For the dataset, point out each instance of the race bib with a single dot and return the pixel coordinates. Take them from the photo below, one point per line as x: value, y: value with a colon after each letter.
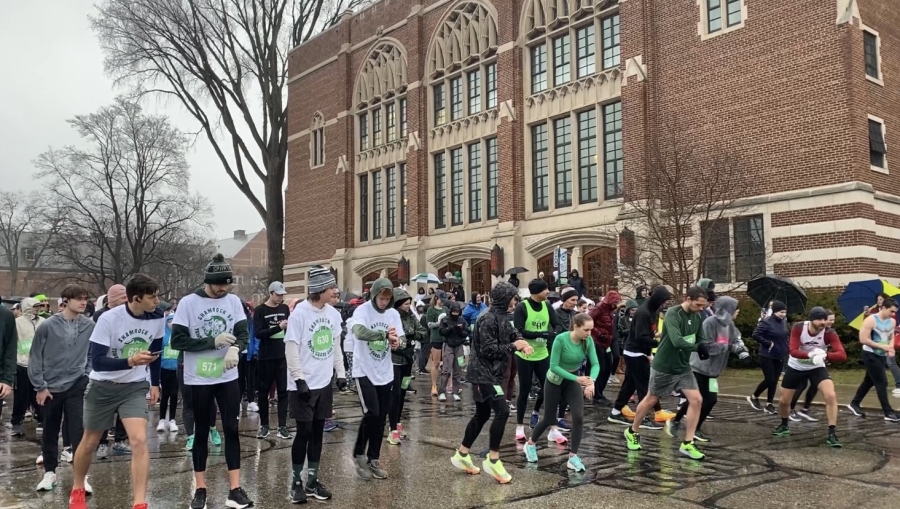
x: 210, y: 367
x: 713, y: 385
x: 404, y: 384
x: 691, y: 338
x: 133, y: 348
x: 168, y: 353
x: 553, y: 377
x: 24, y: 347
x: 460, y: 360
x: 498, y: 390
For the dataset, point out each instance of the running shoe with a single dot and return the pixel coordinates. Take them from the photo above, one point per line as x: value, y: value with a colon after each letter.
x: 531, y: 453
x: 782, y: 431
x: 39, y: 460
x: 496, y: 470
x: 895, y: 392
x: 650, y: 424
x: 512, y: 406
x: 77, y: 499
x: 263, y: 432
x: 284, y: 433
x: 377, y: 473
x: 318, y: 491
x: 556, y: 436
x: 400, y: 430
x: 215, y: 437
x: 628, y: 412
x: 754, y: 402
x: 17, y: 430
x: 456, y: 397
x: 140, y: 506
x: 856, y: 410
x: 238, y: 499
x: 833, y: 441
x: 618, y: 419
x: 804, y: 412
x: 87, y: 486
x: 464, y: 463
x: 102, y: 452
x: 252, y: 407
x: 663, y: 416
x: 892, y: 417
x: 121, y: 448
x: 362, y: 467
x: 632, y: 440
x: 298, y: 495
x: 673, y: 428
x: 613, y: 381
x: 602, y: 401
x: 66, y: 455
x: 434, y: 391
x: 691, y: 451
x: 770, y: 409
x: 48, y: 482
x: 563, y: 425
x: 575, y: 464
x: 199, y: 501
x: 161, y: 427
x: 173, y: 426
x: 520, y: 434
x: 793, y: 416
x: 394, y: 438
x: 330, y: 425
x: 442, y: 397
x: 701, y: 436
x: 189, y: 444
x: 535, y: 417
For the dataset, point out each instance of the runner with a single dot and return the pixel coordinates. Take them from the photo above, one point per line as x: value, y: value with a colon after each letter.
x: 539, y: 325
x: 58, y: 367
x: 374, y: 327
x: 433, y: 322
x: 808, y: 354
x: 312, y: 359
x: 168, y: 379
x: 454, y: 331
x: 493, y: 340
x: 125, y: 351
x: 877, y: 338
x: 727, y: 340
x: 671, y: 369
x: 210, y: 328
x: 805, y: 412
x: 270, y: 319
x: 26, y: 325
x: 570, y: 349
x: 772, y: 335
x: 402, y: 359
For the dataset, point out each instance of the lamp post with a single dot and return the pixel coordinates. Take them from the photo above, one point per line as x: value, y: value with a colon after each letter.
x: 497, y: 261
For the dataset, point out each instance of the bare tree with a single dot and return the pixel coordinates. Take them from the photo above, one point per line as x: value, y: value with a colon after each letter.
x: 676, y: 218
x: 125, y: 200
x: 27, y: 227
x: 179, y: 270
x: 225, y: 61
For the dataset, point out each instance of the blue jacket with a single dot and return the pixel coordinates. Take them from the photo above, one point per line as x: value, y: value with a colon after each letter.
x: 253, y: 346
x: 470, y: 314
x: 772, y: 336
x: 170, y: 363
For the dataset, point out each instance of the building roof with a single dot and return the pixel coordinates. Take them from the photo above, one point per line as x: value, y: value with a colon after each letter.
x: 231, y: 246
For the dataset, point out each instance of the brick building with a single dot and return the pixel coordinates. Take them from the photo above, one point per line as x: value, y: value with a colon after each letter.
x: 437, y: 129
x: 248, y: 255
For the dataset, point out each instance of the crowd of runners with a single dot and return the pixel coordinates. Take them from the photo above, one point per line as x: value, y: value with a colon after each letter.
x: 84, y: 376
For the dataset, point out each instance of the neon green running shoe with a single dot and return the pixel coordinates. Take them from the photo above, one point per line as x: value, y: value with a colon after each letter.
x: 833, y: 441
x: 633, y: 440
x: 781, y: 431
x: 464, y: 463
x: 496, y: 470
x: 190, y: 443
x: 215, y: 437
x: 691, y: 451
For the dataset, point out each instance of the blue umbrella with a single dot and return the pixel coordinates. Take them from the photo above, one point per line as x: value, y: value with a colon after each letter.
x: 859, y: 295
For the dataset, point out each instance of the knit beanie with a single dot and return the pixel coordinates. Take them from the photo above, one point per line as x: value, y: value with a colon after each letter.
x: 568, y: 294
x: 218, y: 272
x: 816, y: 313
x: 779, y: 306
x: 537, y: 286
x: 320, y: 279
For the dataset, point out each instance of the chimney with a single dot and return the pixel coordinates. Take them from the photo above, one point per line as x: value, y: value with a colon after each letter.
x: 240, y: 234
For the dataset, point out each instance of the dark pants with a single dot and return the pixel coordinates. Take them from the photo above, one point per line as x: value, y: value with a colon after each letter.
x: 68, y: 403
x: 637, y: 379
x: 607, y: 369
x: 556, y: 396
x: 616, y: 355
x: 810, y: 396
x: 228, y: 396
x: 168, y: 400
x: 484, y: 405
x: 307, y: 444
x: 528, y: 369
x: 875, y: 377
x: 247, y: 377
x: 23, y: 397
x: 424, y: 356
x: 375, y: 401
x: 709, y: 400
x: 509, y: 378
x: 187, y: 415
x: 120, y: 434
x: 398, y: 393
x: 272, y: 370
x: 771, y: 369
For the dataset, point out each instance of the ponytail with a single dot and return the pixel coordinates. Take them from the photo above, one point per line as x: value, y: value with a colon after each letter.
x: 580, y: 319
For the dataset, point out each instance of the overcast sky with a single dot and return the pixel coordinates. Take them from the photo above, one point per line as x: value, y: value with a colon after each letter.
x: 53, y: 70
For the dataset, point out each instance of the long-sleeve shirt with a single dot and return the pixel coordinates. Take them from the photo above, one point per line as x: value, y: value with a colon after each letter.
x: 9, y: 339
x: 59, y: 353
x: 432, y: 322
x: 270, y: 334
x: 802, y: 343
x: 566, y: 357
x: 682, y: 332
x: 311, y: 349
x: 118, y: 335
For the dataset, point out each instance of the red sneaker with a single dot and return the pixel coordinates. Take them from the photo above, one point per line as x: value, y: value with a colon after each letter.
x: 140, y: 506
x: 76, y: 500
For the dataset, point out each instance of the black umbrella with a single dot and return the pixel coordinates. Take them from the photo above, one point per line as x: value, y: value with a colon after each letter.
x: 516, y: 270
x: 765, y: 289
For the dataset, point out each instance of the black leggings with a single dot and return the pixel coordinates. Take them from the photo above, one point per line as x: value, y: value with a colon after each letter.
x: 810, y: 395
x: 228, y: 396
x: 771, y: 369
x: 709, y: 399
x: 554, y: 395
x: 308, y: 442
x: 168, y: 400
x: 272, y: 370
x: 637, y: 379
x: 876, y: 377
x: 187, y: 415
x: 483, y: 409
x: 607, y: 369
x: 375, y: 401
x: 527, y: 369
x: 398, y: 394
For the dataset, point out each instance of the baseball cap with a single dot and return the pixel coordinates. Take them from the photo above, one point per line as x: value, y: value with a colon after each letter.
x: 277, y: 287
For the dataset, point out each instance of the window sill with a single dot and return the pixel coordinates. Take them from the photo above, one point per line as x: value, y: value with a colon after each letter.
x: 581, y: 207
x: 877, y: 81
x: 704, y: 35
x: 377, y: 242
x: 879, y: 170
x: 315, y: 166
x: 463, y: 227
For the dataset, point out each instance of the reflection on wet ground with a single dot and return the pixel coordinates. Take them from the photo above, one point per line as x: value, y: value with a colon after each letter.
x: 745, y: 466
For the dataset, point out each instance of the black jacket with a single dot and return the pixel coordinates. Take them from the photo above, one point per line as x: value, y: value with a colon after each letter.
x: 578, y: 284
x: 453, y: 327
x: 492, y: 339
x: 565, y: 317
x: 641, y: 336
x: 772, y: 335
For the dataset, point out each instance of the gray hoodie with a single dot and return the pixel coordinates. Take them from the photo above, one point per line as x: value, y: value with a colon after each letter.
x: 59, y: 353
x: 723, y: 337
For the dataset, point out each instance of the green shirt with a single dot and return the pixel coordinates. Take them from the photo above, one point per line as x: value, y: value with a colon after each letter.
x: 431, y: 316
x: 681, y: 333
x: 536, y: 321
x: 566, y: 358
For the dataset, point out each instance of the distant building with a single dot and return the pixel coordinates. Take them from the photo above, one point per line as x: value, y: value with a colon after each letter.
x: 33, y: 271
x: 248, y: 255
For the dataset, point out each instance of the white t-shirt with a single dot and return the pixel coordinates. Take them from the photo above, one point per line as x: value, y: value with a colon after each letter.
x: 372, y: 359
x: 125, y: 335
x: 207, y: 318
x: 312, y: 332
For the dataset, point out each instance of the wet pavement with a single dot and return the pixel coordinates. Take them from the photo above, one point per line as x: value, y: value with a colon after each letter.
x: 746, y: 467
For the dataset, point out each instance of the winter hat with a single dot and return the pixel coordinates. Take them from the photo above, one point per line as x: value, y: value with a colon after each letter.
x: 568, y: 294
x: 218, y: 272
x: 537, y: 286
x: 320, y: 279
x: 816, y: 313
x: 116, y: 294
x: 779, y: 306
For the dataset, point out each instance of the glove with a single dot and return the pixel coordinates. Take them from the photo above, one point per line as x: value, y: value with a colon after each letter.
x: 232, y: 357
x: 744, y: 356
x: 302, y: 390
x: 342, y: 383
x: 816, y: 351
x: 819, y: 359
x: 703, y: 351
x: 225, y: 339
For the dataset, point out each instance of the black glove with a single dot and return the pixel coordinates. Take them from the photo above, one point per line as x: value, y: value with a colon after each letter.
x: 342, y: 383
x: 302, y: 390
x: 703, y: 351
